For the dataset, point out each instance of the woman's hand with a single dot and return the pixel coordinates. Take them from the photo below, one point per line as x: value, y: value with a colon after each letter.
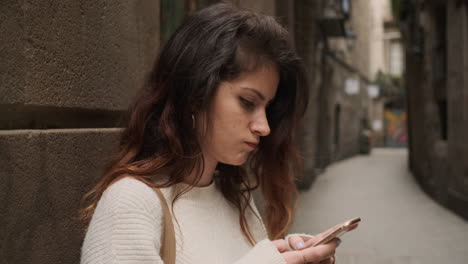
x: 323, y: 254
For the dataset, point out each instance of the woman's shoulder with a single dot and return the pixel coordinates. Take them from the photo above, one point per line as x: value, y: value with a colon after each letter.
x: 128, y: 184
x: 126, y: 224
x: 130, y: 193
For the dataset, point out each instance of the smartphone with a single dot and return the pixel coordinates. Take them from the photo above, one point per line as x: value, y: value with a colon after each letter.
x: 336, y: 232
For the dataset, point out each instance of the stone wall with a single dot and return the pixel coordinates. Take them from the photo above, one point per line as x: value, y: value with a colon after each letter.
x: 457, y: 97
x: 436, y: 39
x: 68, y: 70
x: 307, y: 39
x: 44, y: 175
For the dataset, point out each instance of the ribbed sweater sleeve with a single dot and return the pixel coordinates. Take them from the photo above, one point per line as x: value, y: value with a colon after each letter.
x: 126, y: 226
x: 263, y: 252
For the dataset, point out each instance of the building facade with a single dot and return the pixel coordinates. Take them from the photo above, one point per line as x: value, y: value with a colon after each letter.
x: 436, y: 46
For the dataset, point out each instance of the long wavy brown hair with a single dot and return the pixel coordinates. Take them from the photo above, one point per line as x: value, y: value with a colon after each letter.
x: 215, y: 44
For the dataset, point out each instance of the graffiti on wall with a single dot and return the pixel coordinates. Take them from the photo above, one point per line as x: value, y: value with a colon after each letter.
x: 396, y: 134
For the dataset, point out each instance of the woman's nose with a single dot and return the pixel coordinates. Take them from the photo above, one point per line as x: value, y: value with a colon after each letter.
x: 260, y: 126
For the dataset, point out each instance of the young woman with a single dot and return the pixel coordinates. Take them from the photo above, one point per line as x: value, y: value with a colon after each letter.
x: 222, y: 102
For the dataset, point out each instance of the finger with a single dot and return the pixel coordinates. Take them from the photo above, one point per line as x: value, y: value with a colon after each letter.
x: 293, y: 257
x: 319, y: 253
x: 353, y: 226
x: 281, y: 245
x: 330, y: 260
x: 296, y: 242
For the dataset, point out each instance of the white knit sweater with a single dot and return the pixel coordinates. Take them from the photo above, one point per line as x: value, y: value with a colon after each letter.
x: 127, y: 224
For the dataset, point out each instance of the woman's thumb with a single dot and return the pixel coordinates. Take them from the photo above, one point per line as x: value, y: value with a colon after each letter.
x: 296, y: 242
x: 281, y: 245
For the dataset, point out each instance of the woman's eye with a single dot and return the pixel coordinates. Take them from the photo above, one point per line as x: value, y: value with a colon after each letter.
x: 247, y: 104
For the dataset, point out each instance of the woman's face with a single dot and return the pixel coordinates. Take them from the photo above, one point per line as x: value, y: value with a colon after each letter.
x: 237, y: 119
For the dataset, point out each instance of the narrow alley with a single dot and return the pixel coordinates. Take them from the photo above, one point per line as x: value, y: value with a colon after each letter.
x: 400, y: 223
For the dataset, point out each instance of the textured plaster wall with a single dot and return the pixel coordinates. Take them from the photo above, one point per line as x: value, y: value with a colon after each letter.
x: 63, y: 64
x: 367, y: 20
x: 376, y: 54
x: 362, y: 25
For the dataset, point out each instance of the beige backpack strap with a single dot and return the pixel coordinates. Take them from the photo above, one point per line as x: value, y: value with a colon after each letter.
x: 168, y: 245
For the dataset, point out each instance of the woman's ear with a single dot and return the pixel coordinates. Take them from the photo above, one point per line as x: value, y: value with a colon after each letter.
x: 201, y: 123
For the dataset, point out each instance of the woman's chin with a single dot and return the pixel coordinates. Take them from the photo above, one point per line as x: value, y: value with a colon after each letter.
x: 236, y: 161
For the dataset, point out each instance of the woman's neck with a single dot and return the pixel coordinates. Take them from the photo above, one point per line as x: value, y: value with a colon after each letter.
x: 208, y: 173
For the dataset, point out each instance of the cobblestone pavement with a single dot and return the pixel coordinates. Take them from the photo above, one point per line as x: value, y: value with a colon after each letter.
x: 400, y: 223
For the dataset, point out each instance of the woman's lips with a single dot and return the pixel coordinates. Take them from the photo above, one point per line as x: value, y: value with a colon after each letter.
x: 252, y: 145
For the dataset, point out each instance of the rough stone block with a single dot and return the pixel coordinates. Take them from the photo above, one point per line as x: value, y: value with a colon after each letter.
x: 12, y: 62
x: 82, y: 54
x: 43, y: 176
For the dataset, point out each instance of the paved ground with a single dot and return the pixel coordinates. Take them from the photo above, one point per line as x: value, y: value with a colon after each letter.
x: 400, y: 224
